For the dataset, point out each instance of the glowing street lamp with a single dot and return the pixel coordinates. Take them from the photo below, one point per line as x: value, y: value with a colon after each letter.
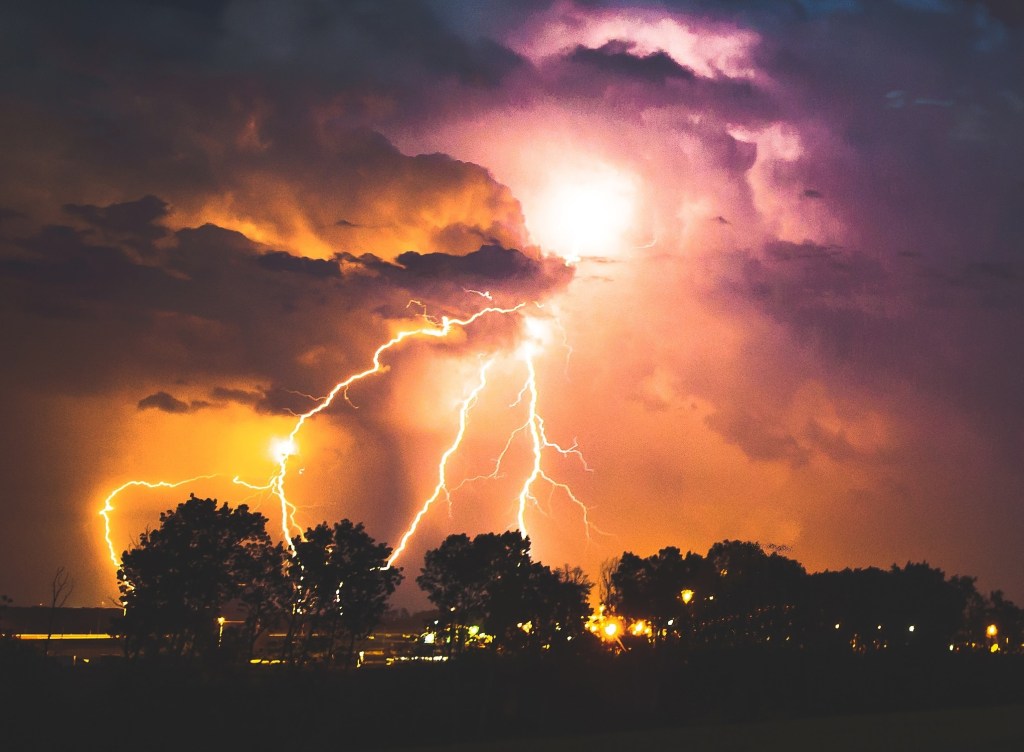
x: 686, y: 595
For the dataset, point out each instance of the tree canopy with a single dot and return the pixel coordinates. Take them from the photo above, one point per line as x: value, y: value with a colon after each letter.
x: 489, y: 586
x: 343, y: 583
x: 180, y: 578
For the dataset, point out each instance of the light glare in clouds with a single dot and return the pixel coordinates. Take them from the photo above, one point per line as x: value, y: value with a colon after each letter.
x: 585, y: 211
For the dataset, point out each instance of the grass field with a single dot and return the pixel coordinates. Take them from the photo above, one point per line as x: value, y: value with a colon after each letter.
x: 987, y: 729
x: 768, y: 701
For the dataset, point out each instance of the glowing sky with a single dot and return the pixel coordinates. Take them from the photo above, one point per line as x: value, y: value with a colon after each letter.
x: 776, y: 247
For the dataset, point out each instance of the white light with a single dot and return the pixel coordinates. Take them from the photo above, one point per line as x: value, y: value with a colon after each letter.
x: 583, y: 211
x: 282, y: 449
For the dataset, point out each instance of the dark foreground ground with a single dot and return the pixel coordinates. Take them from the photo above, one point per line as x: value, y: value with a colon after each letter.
x: 988, y: 729
x: 732, y: 701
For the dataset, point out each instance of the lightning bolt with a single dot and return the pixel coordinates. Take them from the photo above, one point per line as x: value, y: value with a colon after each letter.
x: 289, y: 446
x: 539, y: 442
x: 442, y: 468
x: 108, y: 505
x: 533, y: 427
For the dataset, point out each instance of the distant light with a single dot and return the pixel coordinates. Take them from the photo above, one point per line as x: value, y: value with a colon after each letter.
x: 992, y: 630
x: 837, y: 625
x: 640, y: 627
x: 951, y: 647
x: 879, y: 626
x: 686, y: 595
x: 994, y: 648
x: 611, y: 628
x: 910, y: 628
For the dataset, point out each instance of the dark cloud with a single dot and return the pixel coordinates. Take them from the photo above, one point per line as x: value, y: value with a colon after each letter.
x: 760, y: 437
x: 508, y: 274
x: 135, y: 218
x: 10, y: 214
x: 834, y: 444
x: 281, y: 261
x: 617, y: 58
x: 490, y: 263
x: 275, y: 400
x: 212, y: 301
x: 241, y: 396
x: 1009, y: 12
x: 946, y: 334
x: 164, y: 402
x: 990, y: 270
x: 281, y: 401
x: 905, y: 177
x: 274, y: 105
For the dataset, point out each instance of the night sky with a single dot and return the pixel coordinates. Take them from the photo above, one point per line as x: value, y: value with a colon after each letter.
x: 769, y: 257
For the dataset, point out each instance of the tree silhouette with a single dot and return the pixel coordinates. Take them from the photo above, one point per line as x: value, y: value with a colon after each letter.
x: 491, y: 584
x: 343, y: 584
x: 179, y: 578
x: 5, y: 601
x: 61, y: 588
x: 605, y: 587
x: 558, y: 606
x: 1007, y: 618
x: 757, y: 595
x: 651, y: 588
x: 451, y: 577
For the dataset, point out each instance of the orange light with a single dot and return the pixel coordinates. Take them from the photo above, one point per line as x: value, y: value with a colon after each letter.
x: 992, y: 630
x: 640, y: 628
x: 686, y: 595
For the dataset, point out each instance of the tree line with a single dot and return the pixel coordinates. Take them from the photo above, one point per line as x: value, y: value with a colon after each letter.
x: 330, y: 589
x: 740, y: 594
